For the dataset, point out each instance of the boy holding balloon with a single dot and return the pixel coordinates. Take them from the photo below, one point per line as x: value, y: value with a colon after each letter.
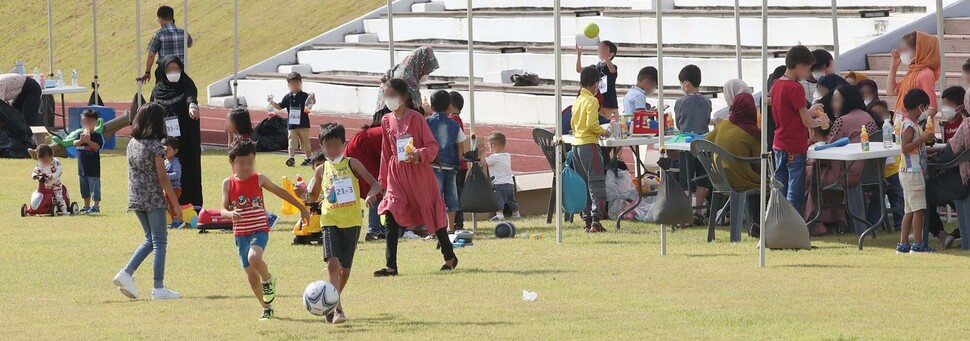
x: 606, y: 51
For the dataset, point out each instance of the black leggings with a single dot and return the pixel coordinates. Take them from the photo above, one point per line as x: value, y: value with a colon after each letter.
x: 28, y: 103
x: 394, y: 232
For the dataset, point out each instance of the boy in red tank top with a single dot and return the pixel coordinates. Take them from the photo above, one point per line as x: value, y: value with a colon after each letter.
x: 242, y: 202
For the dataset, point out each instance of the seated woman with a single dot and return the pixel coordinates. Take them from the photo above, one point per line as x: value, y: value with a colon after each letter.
x: 826, y: 89
x: 847, y: 103
x: 951, y: 184
x: 869, y: 90
x: 855, y: 77
x: 740, y: 135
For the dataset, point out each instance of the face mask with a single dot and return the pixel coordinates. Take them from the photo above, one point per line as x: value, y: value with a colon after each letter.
x: 173, y: 77
x: 905, y: 58
x: 393, y: 103
x: 867, y: 101
x: 817, y: 75
x: 336, y: 159
x: 923, y: 116
x: 948, y: 113
x: 816, y: 96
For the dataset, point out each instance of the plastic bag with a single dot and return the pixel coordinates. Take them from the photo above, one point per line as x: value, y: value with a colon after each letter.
x: 288, y: 208
x: 574, y: 191
x: 477, y: 195
x: 672, y: 204
x: 784, y: 226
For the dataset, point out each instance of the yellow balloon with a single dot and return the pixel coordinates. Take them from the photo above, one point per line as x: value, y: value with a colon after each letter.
x: 592, y: 30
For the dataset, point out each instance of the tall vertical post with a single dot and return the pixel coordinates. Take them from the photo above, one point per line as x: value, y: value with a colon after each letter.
x: 50, y: 42
x: 235, y: 55
x: 835, y: 36
x: 137, y: 53
x: 557, y: 31
x: 764, y: 137
x: 737, y: 35
x: 939, y: 36
x: 94, y: 17
x: 185, y: 34
x: 471, y: 90
x: 390, y: 32
x: 660, y: 106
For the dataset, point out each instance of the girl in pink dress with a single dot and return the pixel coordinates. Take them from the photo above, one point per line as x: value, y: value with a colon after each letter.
x: 412, y: 197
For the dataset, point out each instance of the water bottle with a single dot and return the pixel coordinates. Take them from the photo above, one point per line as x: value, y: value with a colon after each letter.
x: 60, y: 78
x: 270, y: 110
x: 308, y: 105
x: 37, y: 76
x: 614, y: 127
x: 865, y: 139
x: 300, y: 188
x: 74, y: 78
x: 19, y: 68
x: 887, y: 134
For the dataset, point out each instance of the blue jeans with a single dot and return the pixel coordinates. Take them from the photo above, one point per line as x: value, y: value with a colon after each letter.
x: 790, y: 172
x: 374, y: 220
x: 90, y: 187
x: 449, y: 190
x: 894, y: 190
x: 156, y: 240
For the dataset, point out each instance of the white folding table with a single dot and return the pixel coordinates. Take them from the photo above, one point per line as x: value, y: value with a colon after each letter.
x: 61, y: 90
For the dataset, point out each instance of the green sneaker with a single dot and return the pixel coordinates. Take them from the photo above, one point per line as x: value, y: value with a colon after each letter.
x: 269, y: 291
x: 267, y: 314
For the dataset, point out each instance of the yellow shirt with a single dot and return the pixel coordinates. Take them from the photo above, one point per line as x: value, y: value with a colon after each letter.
x: 342, y: 208
x: 585, y: 120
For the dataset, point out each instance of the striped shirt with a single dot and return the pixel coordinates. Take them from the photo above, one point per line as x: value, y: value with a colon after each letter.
x: 914, y: 162
x: 169, y: 40
x: 246, y: 197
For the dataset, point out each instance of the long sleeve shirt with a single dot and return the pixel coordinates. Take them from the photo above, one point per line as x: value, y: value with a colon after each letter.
x: 585, y: 120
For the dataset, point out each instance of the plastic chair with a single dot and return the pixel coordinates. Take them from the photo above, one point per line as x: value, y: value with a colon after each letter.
x: 546, y: 141
x: 962, y: 205
x: 712, y: 158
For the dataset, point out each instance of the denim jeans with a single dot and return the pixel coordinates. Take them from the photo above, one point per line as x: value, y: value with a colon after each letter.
x: 374, y: 220
x: 894, y: 190
x: 790, y: 172
x: 449, y: 190
x: 90, y: 187
x: 156, y: 240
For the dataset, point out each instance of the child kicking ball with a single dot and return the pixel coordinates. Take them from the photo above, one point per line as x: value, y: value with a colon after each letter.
x: 242, y: 202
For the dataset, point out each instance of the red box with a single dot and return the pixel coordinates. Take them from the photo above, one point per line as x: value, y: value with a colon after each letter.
x: 641, y: 122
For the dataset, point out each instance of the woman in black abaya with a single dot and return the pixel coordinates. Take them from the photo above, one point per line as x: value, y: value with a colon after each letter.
x: 177, y: 93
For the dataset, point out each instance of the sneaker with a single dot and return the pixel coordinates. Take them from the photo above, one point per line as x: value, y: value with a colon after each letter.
x: 373, y: 236
x: 269, y: 291
x: 267, y: 314
x: 126, y: 284
x: 94, y: 209
x: 272, y: 220
x: 329, y: 316
x: 915, y: 248
x: 339, y: 317
x: 164, y: 294
x: 290, y: 162
x: 410, y: 235
x: 306, y: 162
x: 84, y: 210
x: 902, y: 248
x: 177, y: 225
x: 497, y: 217
x: 516, y: 215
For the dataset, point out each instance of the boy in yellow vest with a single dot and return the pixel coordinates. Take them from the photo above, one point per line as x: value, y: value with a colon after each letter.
x: 340, y: 204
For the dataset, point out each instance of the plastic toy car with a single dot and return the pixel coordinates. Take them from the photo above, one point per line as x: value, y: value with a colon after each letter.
x: 44, y: 202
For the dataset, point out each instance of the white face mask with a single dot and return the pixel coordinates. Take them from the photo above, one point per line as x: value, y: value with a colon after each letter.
x: 906, y: 58
x: 336, y: 159
x: 393, y: 103
x: 817, y: 75
x: 867, y: 101
x: 173, y: 76
x: 816, y: 95
x: 948, y: 113
x: 923, y: 116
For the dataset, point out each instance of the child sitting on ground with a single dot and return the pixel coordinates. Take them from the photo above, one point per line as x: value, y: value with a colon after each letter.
x: 242, y: 202
x: 499, y: 165
x: 911, y: 172
x: 174, y: 169
x: 589, y: 159
x: 239, y: 125
x: 50, y: 168
x: 89, y: 161
x: 338, y: 180
x: 298, y: 120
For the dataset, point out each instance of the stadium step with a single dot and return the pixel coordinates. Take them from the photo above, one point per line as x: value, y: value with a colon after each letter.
x: 953, y: 61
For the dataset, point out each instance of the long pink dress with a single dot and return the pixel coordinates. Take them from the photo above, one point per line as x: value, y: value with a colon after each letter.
x: 412, y: 196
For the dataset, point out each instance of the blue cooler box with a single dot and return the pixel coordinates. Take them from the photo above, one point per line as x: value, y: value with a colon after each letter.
x: 74, y: 121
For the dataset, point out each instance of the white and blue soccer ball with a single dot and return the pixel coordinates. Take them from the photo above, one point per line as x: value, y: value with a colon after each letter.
x: 320, y: 298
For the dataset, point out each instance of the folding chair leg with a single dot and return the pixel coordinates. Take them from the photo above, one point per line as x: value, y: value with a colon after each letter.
x: 856, y: 205
x: 739, y: 202
x: 712, y: 221
x: 963, y: 219
x: 552, y: 201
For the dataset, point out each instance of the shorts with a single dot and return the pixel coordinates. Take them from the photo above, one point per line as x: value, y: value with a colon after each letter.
x: 299, y: 139
x: 448, y: 187
x: 340, y: 242
x: 914, y: 191
x: 90, y: 187
x: 244, y: 243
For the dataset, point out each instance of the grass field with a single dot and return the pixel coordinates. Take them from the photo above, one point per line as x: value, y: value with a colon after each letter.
x: 266, y: 27
x: 55, y: 283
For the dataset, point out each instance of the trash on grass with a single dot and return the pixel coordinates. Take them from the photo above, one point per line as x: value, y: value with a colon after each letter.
x: 529, y: 296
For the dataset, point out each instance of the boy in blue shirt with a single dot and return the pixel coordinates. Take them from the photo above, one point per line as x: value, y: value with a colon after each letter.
x: 450, y: 137
x: 89, y: 161
x: 296, y: 103
x: 636, y: 99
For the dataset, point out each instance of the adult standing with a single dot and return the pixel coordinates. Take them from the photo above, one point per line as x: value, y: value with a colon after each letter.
x: 366, y: 146
x: 167, y: 41
x: 414, y: 70
x: 920, y: 54
x: 23, y: 93
x: 177, y: 93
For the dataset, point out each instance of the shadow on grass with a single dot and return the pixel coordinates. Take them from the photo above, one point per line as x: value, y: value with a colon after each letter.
x: 389, y: 321
x: 512, y: 272
x: 820, y: 266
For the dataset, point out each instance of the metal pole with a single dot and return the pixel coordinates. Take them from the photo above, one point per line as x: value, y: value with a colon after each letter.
x: 235, y: 55
x: 471, y: 91
x: 185, y: 34
x: 137, y: 53
x: 50, y: 42
x: 835, y: 36
x: 660, y: 106
x: 94, y: 16
x: 939, y: 36
x: 390, y: 32
x: 557, y: 31
x: 764, y: 136
x: 737, y: 35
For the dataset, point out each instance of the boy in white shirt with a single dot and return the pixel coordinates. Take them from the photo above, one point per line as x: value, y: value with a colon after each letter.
x: 500, y: 168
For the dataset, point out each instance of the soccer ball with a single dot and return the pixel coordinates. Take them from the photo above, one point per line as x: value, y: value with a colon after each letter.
x: 592, y: 31
x: 320, y: 298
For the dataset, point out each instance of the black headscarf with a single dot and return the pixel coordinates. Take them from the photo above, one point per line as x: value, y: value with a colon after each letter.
x: 169, y: 92
x: 852, y: 100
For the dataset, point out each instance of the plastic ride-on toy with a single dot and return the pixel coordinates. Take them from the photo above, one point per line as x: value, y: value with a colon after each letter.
x: 311, y: 232
x: 44, y: 202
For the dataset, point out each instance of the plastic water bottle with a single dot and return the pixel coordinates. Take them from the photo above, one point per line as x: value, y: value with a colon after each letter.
x: 614, y: 127
x: 37, y: 76
x: 74, y: 78
x: 898, y: 128
x: 308, y: 105
x: 19, y: 68
x: 865, y: 139
x: 270, y: 110
x: 300, y: 188
x: 887, y: 134
x: 60, y: 78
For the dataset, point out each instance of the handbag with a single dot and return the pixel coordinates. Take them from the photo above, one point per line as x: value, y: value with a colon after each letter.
x: 574, y: 191
x: 784, y: 226
x: 672, y: 206
x: 525, y: 79
x: 477, y: 195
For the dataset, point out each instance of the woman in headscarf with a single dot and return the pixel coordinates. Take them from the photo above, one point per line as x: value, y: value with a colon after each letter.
x: 852, y: 116
x: 826, y: 89
x: 177, y: 93
x: 732, y: 88
x: 951, y: 184
x: 740, y: 135
x: 414, y: 70
x: 920, y: 54
x: 854, y: 77
x: 869, y: 90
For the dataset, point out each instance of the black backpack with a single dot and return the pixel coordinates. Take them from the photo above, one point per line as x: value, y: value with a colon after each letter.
x: 525, y: 79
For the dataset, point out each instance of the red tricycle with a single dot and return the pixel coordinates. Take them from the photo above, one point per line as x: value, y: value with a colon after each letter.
x: 44, y: 202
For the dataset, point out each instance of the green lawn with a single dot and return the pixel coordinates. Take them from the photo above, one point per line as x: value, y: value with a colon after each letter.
x: 266, y: 27
x: 55, y: 283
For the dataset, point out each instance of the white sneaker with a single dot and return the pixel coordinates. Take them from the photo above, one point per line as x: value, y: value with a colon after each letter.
x: 410, y: 235
x: 497, y: 217
x: 516, y: 215
x: 126, y: 284
x: 164, y: 294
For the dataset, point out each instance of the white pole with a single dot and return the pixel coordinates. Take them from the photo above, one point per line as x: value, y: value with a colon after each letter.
x: 835, y: 36
x: 471, y: 91
x: 235, y: 55
x: 94, y: 16
x: 737, y: 35
x: 390, y: 31
x: 764, y: 135
x: 137, y: 52
x: 50, y: 42
x: 939, y: 36
x: 660, y: 105
x: 557, y: 31
x: 185, y: 34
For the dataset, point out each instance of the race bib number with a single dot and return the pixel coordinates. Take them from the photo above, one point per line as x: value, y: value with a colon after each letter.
x: 172, y: 126
x: 603, y: 86
x: 343, y: 187
x: 294, y: 116
x: 403, y: 142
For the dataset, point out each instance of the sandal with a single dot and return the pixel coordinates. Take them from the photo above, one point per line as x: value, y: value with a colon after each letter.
x: 446, y: 267
x: 385, y: 273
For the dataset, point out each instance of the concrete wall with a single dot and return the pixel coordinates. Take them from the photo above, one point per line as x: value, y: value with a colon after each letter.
x: 807, y: 3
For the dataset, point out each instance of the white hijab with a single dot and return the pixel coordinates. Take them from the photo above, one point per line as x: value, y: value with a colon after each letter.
x: 732, y: 88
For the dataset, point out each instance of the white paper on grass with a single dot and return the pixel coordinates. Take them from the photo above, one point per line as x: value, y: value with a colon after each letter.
x: 529, y: 296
